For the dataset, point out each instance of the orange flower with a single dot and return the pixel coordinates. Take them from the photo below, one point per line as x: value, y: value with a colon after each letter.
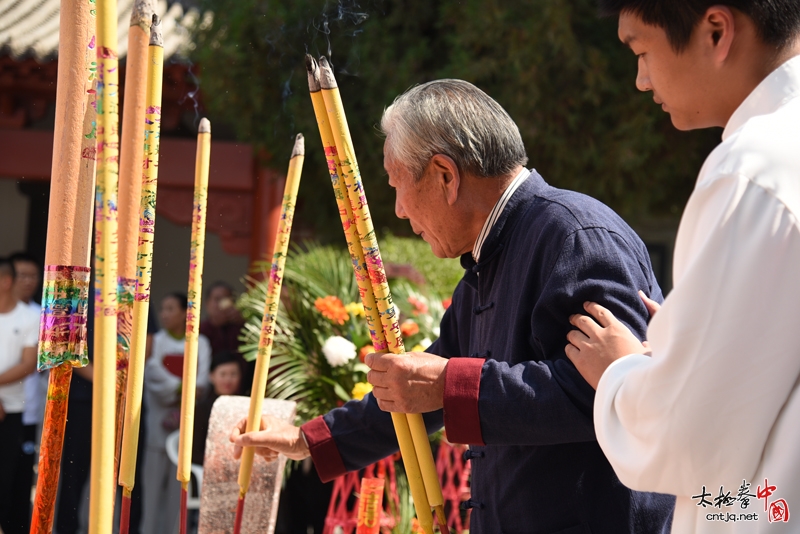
x: 409, y: 328
x: 419, y: 306
x: 332, y: 309
x: 447, y: 302
x: 366, y: 349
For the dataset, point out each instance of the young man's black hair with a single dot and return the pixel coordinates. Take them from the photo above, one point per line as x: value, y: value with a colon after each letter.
x: 7, y: 268
x: 182, y: 299
x: 777, y: 21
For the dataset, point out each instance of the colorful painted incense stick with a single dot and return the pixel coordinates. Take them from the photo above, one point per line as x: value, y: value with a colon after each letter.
x: 102, y: 487
x: 417, y: 455
x: 144, y: 268
x: 271, y: 305
x: 130, y: 189
x: 62, y: 335
x: 194, y: 294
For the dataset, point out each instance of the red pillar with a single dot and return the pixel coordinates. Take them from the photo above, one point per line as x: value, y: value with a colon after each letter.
x: 267, y: 202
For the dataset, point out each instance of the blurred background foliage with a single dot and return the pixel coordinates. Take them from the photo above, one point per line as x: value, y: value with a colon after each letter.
x: 557, y: 68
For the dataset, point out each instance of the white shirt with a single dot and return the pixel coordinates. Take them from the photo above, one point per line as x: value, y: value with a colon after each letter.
x: 161, y: 385
x: 719, y: 401
x: 19, y: 329
x: 35, y: 388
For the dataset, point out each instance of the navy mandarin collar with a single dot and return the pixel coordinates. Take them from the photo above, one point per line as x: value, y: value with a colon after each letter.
x: 493, y: 244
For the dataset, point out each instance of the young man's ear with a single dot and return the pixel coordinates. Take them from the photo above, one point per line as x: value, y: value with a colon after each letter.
x: 718, y: 25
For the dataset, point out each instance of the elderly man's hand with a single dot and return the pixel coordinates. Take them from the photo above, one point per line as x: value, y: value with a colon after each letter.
x: 275, y: 437
x: 407, y: 383
x: 593, y: 347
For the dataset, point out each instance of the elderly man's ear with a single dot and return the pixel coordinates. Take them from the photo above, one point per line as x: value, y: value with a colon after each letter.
x: 446, y: 175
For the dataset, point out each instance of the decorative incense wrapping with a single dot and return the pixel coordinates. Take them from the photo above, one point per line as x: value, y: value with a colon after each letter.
x: 144, y: 267
x: 370, y: 505
x: 62, y: 330
x: 194, y: 294
x: 101, y: 495
x: 271, y: 305
x: 410, y: 428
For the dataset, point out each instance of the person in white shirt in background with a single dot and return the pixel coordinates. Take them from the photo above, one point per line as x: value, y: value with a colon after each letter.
x: 19, y: 338
x: 708, y: 408
x: 27, y: 281
x: 162, y: 383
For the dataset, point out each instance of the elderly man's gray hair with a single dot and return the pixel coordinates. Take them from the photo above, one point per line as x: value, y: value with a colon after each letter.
x: 454, y: 118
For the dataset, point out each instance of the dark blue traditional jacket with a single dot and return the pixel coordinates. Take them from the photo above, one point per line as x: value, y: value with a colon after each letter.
x: 510, y: 391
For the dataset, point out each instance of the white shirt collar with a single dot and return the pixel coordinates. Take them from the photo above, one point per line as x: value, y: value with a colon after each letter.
x: 499, y: 206
x: 773, y: 91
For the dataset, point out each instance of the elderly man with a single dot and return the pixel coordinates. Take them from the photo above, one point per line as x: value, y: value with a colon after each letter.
x: 497, y: 378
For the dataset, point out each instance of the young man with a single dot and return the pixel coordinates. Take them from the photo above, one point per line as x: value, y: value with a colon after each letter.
x: 19, y: 336
x: 712, y: 416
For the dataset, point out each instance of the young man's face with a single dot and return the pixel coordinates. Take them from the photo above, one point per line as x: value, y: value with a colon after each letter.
x: 27, y: 280
x: 678, y: 81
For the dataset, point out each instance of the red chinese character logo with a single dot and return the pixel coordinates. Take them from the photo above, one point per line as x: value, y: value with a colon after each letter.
x: 779, y: 511
x: 765, y: 493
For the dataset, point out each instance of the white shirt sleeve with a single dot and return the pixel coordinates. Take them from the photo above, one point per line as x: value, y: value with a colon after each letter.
x: 203, y: 361
x: 724, y: 349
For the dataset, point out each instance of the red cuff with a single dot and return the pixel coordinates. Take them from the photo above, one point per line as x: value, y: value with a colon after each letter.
x: 462, y: 382
x: 323, y: 449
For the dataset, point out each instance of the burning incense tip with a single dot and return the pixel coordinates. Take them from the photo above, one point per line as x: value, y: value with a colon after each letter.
x: 313, y: 74
x: 142, y: 14
x: 156, y: 37
x: 299, y: 146
x: 326, y: 78
x: 205, y: 126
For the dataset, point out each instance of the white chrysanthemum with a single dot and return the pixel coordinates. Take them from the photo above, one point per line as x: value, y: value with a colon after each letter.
x: 338, y: 350
x: 436, y: 331
x: 426, y: 343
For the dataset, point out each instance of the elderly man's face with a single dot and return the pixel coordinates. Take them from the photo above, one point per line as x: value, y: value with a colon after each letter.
x: 425, y: 205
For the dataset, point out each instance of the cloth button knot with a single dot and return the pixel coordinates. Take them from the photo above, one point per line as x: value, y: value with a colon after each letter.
x: 466, y: 505
x: 477, y: 310
x: 469, y: 454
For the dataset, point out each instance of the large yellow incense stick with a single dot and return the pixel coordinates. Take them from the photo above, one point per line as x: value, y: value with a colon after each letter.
x: 101, y: 496
x: 194, y: 294
x: 349, y: 172
x: 271, y: 306
x: 63, y: 335
x: 144, y: 268
x: 130, y: 192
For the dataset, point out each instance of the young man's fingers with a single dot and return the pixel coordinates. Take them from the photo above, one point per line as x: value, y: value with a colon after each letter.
x: 584, y: 323
x: 601, y: 314
x: 651, y: 305
x: 238, y: 430
x: 577, y: 338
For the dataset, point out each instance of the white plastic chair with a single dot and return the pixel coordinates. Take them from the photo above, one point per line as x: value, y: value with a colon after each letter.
x: 192, y: 502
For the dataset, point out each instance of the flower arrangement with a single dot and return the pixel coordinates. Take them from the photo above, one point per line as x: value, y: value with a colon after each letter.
x: 321, y: 336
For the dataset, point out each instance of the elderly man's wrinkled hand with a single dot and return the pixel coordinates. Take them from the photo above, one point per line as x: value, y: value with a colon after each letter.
x: 407, y: 383
x: 275, y: 437
x: 599, y: 342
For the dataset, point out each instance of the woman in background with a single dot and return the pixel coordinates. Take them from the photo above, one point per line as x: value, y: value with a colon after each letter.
x: 162, y: 384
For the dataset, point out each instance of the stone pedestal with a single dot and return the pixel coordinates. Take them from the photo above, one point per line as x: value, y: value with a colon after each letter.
x: 220, y: 490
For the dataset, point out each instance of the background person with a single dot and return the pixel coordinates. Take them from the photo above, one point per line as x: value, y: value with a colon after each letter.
x: 19, y: 338
x: 223, y: 326
x: 162, y: 383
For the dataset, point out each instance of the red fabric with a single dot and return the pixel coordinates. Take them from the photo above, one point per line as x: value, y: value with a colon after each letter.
x: 323, y: 450
x: 174, y: 364
x: 462, y: 382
